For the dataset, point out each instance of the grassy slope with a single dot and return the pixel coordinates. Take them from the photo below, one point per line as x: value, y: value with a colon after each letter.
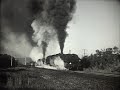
x: 39, y: 78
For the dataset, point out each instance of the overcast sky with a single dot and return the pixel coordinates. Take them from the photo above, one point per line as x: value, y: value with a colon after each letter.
x: 95, y: 25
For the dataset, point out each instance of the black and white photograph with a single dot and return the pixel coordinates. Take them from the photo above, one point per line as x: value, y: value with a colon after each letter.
x: 59, y: 44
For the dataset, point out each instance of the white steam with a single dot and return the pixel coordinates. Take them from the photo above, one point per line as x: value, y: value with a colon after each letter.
x: 47, y: 34
x: 14, y: 44
x: 57, y: 64
x: 35, y: 54
x: 41, y: 33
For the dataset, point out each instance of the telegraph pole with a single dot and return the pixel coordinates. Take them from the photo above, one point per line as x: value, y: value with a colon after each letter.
x: 69, y: 51
x: 25, y: 60
x: 84, y: 51
x: 11, y: 61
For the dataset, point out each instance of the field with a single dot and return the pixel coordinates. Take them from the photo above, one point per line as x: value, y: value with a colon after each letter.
x: 41, y: 79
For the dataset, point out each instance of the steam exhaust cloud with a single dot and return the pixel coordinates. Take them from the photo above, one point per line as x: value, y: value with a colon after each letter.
x: 53, y: 14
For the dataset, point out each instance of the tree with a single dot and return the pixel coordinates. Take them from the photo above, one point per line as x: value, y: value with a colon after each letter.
x: 85, y: 63
x: 115, y: 49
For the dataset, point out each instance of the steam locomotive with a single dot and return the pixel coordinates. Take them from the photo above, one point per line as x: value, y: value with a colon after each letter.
x: 71, y: 61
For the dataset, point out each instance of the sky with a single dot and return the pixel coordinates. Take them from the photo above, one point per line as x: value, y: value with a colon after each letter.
x: 95, y: 25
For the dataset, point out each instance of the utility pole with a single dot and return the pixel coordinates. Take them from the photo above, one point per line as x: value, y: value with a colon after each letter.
x: 25, y: 60
x: 84, y: 51
x: 69, y: 51
x: 11, y: 61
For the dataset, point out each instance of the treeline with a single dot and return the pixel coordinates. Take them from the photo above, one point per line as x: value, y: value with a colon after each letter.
x: 104, y: 60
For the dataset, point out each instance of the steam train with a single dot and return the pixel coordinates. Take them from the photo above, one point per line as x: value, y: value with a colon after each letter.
x: 7, y: 61
x: 71, y: 61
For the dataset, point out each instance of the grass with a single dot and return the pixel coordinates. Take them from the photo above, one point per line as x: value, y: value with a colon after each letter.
x: 44, y: 79
x: 111, y: 68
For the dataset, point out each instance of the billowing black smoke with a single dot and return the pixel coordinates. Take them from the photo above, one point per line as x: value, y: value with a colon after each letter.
x: 44, y: 46
x: 17, y: 16
x: 55, y: 13
x: 15, y: 30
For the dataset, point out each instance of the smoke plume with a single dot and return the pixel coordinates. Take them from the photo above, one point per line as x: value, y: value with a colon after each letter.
x: 15, y: 45
x: 42, y: 35
x: 44, y: 46
x: 48, y: 19
x: 15, y: 31
x: 55, y: 14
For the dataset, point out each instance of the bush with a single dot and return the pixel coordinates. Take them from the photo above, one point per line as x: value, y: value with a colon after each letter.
x: 85, y: 63
x: 105, y: 60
